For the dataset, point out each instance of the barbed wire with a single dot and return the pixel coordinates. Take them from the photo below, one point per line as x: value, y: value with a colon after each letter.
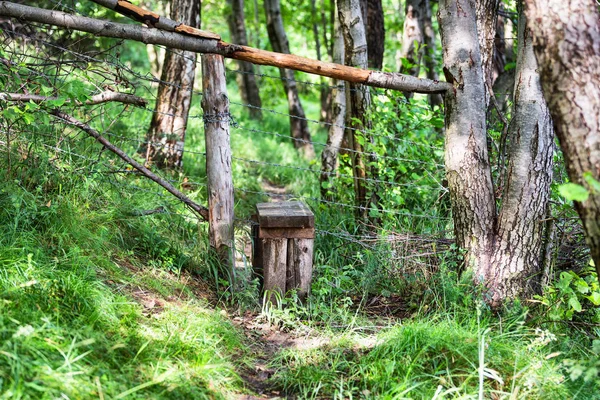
x: 340, y: 204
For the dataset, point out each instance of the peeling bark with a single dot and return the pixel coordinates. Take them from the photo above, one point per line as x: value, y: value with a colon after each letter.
x: 166, y: 135
x: 358, y: 99
x: 245, y: 79
x: 329, y: 157
x: 567, y: 46
x: 207, y: 42
x: 279, y: 42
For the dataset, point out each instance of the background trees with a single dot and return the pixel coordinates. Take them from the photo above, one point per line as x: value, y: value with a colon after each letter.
x: 279, y: 43
x: 166, y: 135
x: 246, y: 79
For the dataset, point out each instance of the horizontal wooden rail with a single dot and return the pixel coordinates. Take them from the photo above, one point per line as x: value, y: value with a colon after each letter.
x: 206, y: 42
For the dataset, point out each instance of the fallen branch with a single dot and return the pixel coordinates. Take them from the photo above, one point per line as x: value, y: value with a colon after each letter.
x: 200, y: 210
x: 200, y: 44
x: 103, y: 97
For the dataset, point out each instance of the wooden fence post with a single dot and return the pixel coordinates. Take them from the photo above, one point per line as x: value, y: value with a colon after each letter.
x: 215, y: 105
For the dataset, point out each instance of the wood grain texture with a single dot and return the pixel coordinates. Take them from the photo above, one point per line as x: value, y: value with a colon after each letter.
x: 285, y: 214
x: 290, y: 233
x: 215, y: 105
x: 275, y: 266
x: 300, y: 266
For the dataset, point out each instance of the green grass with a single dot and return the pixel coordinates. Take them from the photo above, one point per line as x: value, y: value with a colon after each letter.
x: 71, y: 318
x: 98, y: 302
x: 423, y: 357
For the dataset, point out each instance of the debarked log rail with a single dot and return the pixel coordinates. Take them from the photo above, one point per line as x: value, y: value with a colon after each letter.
x: 207, y: 42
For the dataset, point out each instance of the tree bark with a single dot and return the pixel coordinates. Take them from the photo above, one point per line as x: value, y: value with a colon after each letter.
x: 418, y: 33
x: 245, y: 79
x: 166, y: 135
x: 279, y: 42
x: 504, y: 250
x: 429, y: 54
x: 358, y: 102
x: 412, y: 36
x: 487, y: 16
x: 567, y: 46
x: 466, y: 156
x: 358, y: 99
x: 329, y: 157
x: 375, y: 31
x: 517, y: 254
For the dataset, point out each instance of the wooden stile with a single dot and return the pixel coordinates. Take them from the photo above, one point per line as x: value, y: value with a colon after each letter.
x: 283, y: 247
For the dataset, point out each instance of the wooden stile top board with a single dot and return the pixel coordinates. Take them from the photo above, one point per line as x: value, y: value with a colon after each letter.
x: 285, y: 214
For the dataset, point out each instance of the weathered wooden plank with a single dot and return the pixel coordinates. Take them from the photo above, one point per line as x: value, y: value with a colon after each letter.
x: 286, y: 214
x: 274, y: 264
x: 291, y: 275
x: 299, y: 266
x: 215, y: 104
x: 289, y: 233
x: 257, y: 252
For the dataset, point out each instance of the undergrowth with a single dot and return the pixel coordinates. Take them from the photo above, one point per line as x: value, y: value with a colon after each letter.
x: 104, y: 279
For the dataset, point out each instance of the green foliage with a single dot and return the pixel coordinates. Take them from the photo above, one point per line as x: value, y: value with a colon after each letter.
x: 573, y: 192
x: 573, y: 296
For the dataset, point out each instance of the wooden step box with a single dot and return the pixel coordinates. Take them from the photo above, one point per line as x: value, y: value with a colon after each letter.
x: 283, y: 247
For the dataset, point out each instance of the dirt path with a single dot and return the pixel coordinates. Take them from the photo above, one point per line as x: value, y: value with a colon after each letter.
x: 266, y: 341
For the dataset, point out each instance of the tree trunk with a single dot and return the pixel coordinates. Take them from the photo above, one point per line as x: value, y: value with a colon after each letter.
x: 517, y: 255
x: 466, y: 156
x: 429, y: 55
x: 279, y: 42
x: 315, y: 27
x: 504, y: 250
x: 375, y: 27
x: 487, y: 15
x: 329, y: 157
x: 567, y: 46
x: 166, y: 135
x: 358, y: 100
x: 412, y: 36
x: 418, y: 34
x: 246, y: 79
x: 327, y: 41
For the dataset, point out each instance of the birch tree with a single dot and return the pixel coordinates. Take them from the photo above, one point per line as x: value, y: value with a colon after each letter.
x: 329, y: 157
x: 279, y: 43
x: 246, y: 79
x: 358, y: 99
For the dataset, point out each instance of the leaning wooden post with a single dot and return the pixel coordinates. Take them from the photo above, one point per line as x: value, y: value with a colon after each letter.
x: 218, y: 158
